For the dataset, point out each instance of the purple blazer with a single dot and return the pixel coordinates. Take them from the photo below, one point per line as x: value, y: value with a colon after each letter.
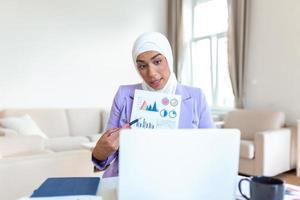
x: 194, y: 113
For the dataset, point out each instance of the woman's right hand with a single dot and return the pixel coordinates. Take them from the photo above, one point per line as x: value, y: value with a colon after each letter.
x: 107, y: 144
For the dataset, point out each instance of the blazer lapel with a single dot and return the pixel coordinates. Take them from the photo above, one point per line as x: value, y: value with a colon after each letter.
x: 186, y: 109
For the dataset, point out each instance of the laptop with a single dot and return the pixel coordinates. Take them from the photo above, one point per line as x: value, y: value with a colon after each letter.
x: 181, y: 164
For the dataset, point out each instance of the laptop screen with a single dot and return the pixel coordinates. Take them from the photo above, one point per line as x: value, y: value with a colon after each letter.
x: 178, y: 164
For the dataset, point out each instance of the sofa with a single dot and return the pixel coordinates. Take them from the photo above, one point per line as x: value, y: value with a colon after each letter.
x: 25, y: 163
x: 39, y: 143
x: 267, y: 146
x: 63, y: 129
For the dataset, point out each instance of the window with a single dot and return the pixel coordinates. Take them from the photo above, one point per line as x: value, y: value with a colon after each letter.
x: 209, y: 53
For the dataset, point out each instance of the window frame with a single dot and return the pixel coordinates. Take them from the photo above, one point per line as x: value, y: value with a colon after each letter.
x: 217, y: 111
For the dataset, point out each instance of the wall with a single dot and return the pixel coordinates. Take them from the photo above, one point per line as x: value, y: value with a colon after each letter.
x: 71, y: 53
x: 273, y: 57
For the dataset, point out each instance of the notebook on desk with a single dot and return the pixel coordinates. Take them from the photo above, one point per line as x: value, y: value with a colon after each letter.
x: 178, y: 164
x: 67, y: 186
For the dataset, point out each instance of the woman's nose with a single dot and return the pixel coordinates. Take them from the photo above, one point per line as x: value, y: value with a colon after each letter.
x: 152, y: 71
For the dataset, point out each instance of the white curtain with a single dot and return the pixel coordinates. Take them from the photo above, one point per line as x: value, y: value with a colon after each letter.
x: 179, y: 34
x: 236, y: 47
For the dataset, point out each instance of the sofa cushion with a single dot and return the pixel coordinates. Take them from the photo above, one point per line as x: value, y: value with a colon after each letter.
x: 94, y: 137
x: 250, y: 121
x: 247, y: 149
x: 7, y: 132
x: 29, y: 153
x: 11, y: 145
x: 53, y: 122
x: 66, y: 143
x: 19, y: 176
x: 105, y: 117
x: 23, y: 125
x: 84, y: 121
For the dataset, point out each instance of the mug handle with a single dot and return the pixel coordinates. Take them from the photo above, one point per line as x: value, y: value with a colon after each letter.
x: 240, y: 188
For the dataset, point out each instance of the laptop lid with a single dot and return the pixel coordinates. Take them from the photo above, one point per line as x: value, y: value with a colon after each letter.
x: 178, y: 164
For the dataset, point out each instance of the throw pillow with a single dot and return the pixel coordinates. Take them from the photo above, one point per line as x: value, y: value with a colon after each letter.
x: 23, y: 125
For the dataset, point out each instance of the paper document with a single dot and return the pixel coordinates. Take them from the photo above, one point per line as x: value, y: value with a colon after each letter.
x: 155, y: 110
x: 292, y: 192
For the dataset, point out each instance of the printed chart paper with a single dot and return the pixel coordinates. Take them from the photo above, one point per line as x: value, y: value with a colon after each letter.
x: 155, y: 110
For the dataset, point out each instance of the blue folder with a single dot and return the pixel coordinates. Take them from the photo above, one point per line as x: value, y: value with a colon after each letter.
x: 66, y: 186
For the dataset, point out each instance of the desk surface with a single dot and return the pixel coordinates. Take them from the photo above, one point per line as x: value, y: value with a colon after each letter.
x: 108, y: 189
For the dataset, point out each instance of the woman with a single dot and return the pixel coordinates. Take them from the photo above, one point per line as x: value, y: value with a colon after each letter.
x: 152, y: 56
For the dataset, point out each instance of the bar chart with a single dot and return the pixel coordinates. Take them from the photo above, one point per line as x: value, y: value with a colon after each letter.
x: 142, y: 123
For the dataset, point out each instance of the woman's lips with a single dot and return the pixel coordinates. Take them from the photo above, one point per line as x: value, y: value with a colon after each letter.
x: 156, y: 84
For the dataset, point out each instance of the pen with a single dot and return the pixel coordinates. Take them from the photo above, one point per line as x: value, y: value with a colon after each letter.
x: 134, y: 121
x: 130, y: 124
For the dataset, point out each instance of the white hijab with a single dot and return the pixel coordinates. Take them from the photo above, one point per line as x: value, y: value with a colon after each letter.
x: 154, y: 41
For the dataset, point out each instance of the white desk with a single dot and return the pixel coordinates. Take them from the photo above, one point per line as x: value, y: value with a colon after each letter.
x: 108, y: 189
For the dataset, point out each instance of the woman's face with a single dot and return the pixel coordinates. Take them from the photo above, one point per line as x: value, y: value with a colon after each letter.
x: 154, y: 69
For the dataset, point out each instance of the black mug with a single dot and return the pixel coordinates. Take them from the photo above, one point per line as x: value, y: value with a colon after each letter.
x: 264, y: 188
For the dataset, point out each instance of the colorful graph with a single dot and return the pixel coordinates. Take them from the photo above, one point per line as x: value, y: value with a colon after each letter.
x: 165, y: 101
x: 147, y: 107
x: 142, y: 123
x: 166, y: 124
x: 163, y: 113
x: 172, y: 114
x: 155, y: 110
x: 174, y: 102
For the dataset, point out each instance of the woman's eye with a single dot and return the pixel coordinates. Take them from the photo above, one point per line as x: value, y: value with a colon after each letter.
x: 141, y: 66
x: 157, y: 62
